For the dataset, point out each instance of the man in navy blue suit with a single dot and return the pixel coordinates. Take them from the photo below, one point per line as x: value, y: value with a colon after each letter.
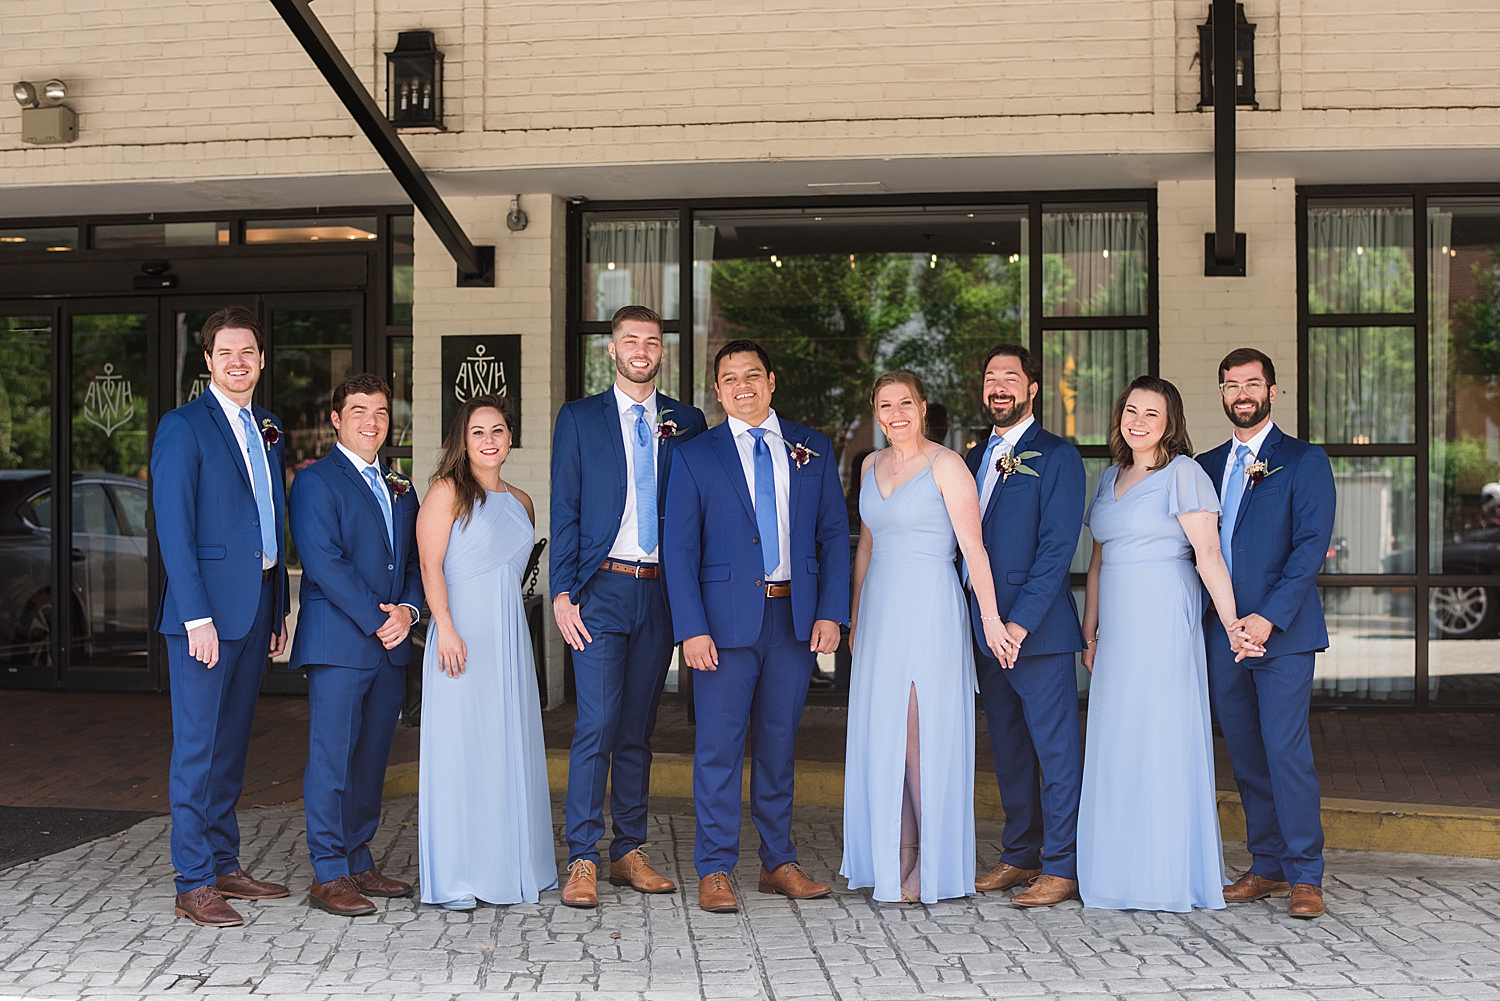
x: 1031, y: 499
x: 218, y: 488
x: 757, y: 561
x: 1277, y: 499
x: 610, y: 456
x: 354, y: 522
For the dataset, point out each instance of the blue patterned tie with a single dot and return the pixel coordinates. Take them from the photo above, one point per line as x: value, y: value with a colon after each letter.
x: 765, y: 502
x: 261, y: 487
x: 645, y: 482
x: 1233, y: 494
x: 372, y: 477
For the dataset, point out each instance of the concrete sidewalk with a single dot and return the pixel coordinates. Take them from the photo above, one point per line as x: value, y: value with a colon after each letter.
x: 96, y: 921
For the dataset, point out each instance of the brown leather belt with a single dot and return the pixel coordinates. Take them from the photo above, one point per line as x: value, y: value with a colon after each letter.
x: 642, y: 571
x: 779, y: 590
x: 266, y: 573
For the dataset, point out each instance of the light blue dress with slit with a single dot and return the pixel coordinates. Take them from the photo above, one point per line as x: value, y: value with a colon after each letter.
x: 484, y: 812
x: 913, y: 630
x: 1148, y: 822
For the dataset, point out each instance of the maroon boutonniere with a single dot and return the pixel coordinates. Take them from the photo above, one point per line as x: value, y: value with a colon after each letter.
x: 269, y: 431
x: 666, y: 428
x: 399, y: 484
x: 801, y: 454
x: 1258, y: 471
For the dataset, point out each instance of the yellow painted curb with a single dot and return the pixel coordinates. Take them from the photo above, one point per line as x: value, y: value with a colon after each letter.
x: 1362, y: 825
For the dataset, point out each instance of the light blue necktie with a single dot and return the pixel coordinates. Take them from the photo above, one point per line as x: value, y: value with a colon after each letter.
x: 372, y: 477
x: 979, y: 477
x: 765, y: 502
x: 256, y: 447
x: 645, y: 482
x: 1233, y: 494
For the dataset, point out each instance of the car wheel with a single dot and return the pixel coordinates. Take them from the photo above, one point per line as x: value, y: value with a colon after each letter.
x: 36, y: 631
x: 1464, y: 612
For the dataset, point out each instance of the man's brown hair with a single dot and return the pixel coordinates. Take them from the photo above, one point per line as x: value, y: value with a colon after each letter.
x: 360, y: 382
x: 1244, y: 356
x: 231, y: 318
x: 643, y: 314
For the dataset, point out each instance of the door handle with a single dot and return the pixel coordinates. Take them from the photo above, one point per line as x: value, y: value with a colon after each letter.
x: 79, y: 555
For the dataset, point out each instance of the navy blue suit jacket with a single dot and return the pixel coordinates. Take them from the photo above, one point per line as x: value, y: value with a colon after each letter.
x: 207, y: 523
x: 1031, y: 530
x: 1281, y: 540
x: 348, y: 569
x: 589, y: 487
x: 711, y: 551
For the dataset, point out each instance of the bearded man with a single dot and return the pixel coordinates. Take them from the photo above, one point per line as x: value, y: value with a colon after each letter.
x: 1031, y: 499
x: 610, y: 457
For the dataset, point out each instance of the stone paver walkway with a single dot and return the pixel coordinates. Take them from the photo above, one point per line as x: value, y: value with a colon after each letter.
x: 96, y: 921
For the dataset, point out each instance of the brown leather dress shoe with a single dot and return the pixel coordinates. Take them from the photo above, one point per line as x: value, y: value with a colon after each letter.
x: 582, y: 889
x: 1252, y: 887
x: 373, y: 883
x: 789, y: 880
x: 206, y: 906
x: 1307, y: 901
x: 242, y: 886
x: 339, y: 896
x: 634, y: 870
x: 1004, y: 876
x: 1046, y: 890
x: 716, y: 894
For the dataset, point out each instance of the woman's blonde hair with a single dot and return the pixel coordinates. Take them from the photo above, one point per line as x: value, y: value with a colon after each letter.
x: 911, y: 381
x: 453, y: 461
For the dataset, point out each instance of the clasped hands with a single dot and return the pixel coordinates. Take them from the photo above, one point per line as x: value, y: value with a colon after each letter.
x: 1248, y: 635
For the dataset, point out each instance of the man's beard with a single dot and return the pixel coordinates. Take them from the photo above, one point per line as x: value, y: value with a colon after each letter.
x: 642, y: 375
x: 1261, y: 412
x: 1009, y: 415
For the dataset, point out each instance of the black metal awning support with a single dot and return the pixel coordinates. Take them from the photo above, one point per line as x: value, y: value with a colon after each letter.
x: 476, y: 265
x: 1224, y: 249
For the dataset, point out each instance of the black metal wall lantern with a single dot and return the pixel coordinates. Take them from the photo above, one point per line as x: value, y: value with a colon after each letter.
x: 414, y: 82
x: 1244, y: 61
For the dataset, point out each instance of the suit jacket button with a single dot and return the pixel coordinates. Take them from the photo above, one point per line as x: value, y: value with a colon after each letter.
x: 256, y: 553
x: 753, y: 542
x: 758, y: 583
x: 390, y: 566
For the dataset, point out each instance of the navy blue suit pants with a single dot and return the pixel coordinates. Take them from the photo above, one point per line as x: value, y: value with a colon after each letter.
x: 353, y: 715
x: 618, y: 679
x: 212, y: 710
x: 1261, y: 704
x: 758, y: 691
x: 1032, y: 712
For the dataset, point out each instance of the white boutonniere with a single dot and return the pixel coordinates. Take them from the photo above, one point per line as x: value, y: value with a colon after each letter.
x: 1258, y: 471
x: 666, y: 428
x: 801, y: 454
x: 1010, y: 462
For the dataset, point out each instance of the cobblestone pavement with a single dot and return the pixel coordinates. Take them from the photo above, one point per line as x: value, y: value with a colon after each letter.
x: 96, y: 921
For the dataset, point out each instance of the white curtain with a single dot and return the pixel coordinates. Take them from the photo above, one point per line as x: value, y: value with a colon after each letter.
x: 1096, y: 263
x: 632, y: 262
x: 1359, y: 259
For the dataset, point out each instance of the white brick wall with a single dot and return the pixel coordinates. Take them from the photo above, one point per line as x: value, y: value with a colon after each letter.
x: 528, y: 300
x: 1203, y: 319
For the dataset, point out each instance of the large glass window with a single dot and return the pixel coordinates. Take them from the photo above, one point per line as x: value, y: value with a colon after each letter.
x: 1359, y: 257
x: 26, y: 459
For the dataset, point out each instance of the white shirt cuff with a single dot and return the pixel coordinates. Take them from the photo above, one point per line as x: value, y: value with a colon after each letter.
x: 416, y: 613
x: 192, y: 624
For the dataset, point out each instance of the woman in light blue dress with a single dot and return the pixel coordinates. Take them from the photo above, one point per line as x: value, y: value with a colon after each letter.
x: 484, y: 812
x: 909, y: 765
x: 1148, y: 821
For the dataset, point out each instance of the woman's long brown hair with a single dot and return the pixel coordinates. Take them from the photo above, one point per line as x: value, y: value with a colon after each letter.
x: 453, y: 461
x: 1174, y: 440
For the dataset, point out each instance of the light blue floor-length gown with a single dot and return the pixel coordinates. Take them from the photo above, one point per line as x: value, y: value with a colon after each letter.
x: 913, y: 628
x: 1148, y: 823
x: 484, y: 812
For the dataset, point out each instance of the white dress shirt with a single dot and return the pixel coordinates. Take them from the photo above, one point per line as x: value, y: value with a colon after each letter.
x: 1008, y: 442
x: 627, y: 540
x: 781, y: 466
x: 1255, y: 444
x: 360, y: 465
x: 237, y: 426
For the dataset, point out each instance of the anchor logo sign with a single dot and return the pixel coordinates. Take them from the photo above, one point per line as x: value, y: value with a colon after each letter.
x: 200, y: 384
x: 479, y: 375
x: 109, y: 403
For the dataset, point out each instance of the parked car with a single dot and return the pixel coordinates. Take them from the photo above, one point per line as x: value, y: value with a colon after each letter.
x: 1461, y: 611
x: 110, y: 602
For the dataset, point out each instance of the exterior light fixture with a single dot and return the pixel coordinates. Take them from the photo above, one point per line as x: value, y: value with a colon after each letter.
x: 45, y: 119
x: 1244, y: 61
x: 414, y: 82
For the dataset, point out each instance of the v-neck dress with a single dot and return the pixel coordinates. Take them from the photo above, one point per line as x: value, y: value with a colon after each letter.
x: 913, y: 629
x: 1148, y: 820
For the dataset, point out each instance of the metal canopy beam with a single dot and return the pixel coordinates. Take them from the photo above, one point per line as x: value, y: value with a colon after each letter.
x: 1224, y: 249
x: 476, y: 265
